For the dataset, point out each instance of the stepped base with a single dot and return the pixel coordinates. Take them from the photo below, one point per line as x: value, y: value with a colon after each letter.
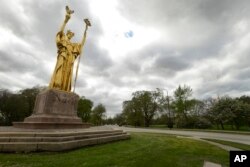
x: 50, y: 125
x: 28, y: 140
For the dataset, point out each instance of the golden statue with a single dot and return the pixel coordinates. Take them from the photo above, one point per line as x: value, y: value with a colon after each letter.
x: 67, y: 54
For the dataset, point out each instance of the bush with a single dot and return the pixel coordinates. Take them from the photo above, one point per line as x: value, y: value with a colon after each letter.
x: 203, y: 123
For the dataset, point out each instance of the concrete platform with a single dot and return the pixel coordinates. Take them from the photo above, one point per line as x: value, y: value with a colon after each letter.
x: 30, y: 140
x: 211, y: 164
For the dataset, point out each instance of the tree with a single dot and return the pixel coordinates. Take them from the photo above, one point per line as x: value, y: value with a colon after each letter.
x: 217, y: 113
x: 132, y: 113
x: 84, y: 109
x: 109, y: 121
x: 240, y: 113
x: 244, y: 99
x: 182, y: 105
x: 17, y: 106
x: 98, y: 114
x: 119, y: 119
x: 166, y: 108
x: 229, y: 110
x: 144, y: 104
x: 29, y: 95
x: 13, y: 107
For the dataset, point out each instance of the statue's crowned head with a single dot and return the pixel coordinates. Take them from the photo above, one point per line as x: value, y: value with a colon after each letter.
x: 70, y: 34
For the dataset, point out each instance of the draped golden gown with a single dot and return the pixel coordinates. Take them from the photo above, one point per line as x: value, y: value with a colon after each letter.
x: 67, y: 54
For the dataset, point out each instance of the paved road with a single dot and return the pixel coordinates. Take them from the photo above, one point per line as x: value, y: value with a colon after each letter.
x: 239, y: 138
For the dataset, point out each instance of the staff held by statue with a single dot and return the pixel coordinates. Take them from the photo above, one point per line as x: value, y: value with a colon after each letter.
x: 87, y: 24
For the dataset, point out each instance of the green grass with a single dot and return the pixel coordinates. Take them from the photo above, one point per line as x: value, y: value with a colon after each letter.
x: 142, y: 150
x: 229, y: 143
x: 245, y: 131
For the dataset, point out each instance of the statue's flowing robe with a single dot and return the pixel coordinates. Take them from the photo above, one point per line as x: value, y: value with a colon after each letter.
x: 63, y: 72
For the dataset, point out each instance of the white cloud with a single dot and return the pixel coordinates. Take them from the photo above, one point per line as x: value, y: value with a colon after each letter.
x: 204, y: 44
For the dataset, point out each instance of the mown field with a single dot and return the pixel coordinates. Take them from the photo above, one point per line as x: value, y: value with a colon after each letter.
x: 142, y: 150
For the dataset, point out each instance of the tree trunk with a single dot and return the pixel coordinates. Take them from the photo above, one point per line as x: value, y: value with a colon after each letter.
x: 147, y: 122
x: 221, y: 124
x: 237, y: 125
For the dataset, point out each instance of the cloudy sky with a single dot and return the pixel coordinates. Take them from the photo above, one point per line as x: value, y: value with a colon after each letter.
x: 132, y: 45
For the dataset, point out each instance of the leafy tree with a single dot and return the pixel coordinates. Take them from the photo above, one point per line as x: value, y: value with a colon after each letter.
x: 109, y: 121
x: 167, y: 110
x: 217, y: 114
x: 13, y: 108
x: 120, y: 119
x: 196, y: 107
x: 181, y: 95
x: 84, y: 109
x: 182, y: 105
x: 159, y: 120
x: 244, y: 99
x: 132, y: 114
x: 17, y: 106
x: 143, y: 105
x: 229, y: 110
x: 98, y: 114
x: 148, y: 103
x: 29, y: 95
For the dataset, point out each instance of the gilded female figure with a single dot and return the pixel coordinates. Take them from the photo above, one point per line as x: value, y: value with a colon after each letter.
x: 67, y: 54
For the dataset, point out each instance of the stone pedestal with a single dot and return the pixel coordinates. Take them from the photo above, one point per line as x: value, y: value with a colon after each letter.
x: 54, y: 109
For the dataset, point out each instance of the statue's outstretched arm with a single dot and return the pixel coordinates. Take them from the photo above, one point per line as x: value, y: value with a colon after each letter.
x: 88, y: 24
x: 67, y: 17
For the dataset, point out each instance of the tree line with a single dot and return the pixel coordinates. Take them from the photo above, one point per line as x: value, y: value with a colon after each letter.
x: 15, y: 106
x: 146, y: 108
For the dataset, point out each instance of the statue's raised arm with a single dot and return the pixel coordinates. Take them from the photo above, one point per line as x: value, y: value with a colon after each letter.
x: 67, y: 17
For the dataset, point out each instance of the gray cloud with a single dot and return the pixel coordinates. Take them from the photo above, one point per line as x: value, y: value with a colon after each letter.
x: 97, y: 58
x: 202, y: 43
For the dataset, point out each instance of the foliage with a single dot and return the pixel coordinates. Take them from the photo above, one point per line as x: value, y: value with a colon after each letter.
x: 142, y: 107
x: 181, y: 102
x: 152, y: 107
x: 17, y: 106
x: 13, y: 108
x: 229, y: 110
x: 119, y: 119
x: 244, y: 99
x: 29, y: 95
x: 84, y: 109
x: 202, y: 123
x: 132, y: 114
x: 167, y: 110
x: 183, y: 105
x: 98, y: 114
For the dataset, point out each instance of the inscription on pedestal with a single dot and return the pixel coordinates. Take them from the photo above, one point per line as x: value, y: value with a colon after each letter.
x: 56, y: 102
x: 55, y: 106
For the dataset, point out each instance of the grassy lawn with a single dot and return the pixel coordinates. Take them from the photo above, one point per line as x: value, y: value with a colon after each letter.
x: 142, y: 150
x: 244, y: 131
x: 229, y: 143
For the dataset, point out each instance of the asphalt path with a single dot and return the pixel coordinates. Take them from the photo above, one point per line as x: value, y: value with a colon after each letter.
x: 238, y: 138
